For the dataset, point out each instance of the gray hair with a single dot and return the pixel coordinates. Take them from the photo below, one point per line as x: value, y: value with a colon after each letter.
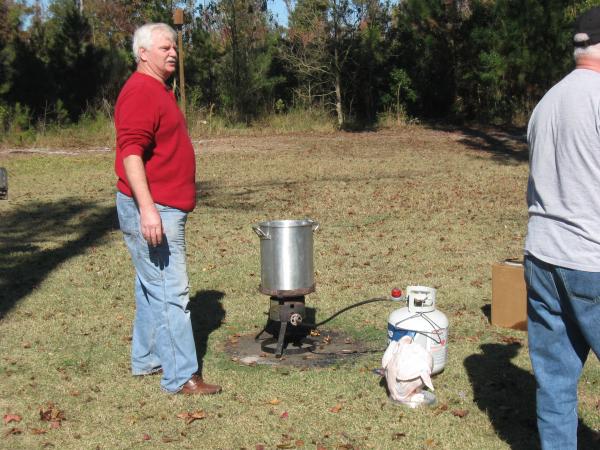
x: 142, y: 38
x: 588, y: 50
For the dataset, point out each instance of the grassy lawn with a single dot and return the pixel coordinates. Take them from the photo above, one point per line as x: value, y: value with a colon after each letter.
x: 398, y: 207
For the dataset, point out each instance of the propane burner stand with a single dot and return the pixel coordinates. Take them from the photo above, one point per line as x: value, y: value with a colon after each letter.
x: 286, y: 315
x: 286, y: 275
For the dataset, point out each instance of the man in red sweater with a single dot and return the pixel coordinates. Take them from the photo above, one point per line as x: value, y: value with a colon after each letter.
x: 155, y: 166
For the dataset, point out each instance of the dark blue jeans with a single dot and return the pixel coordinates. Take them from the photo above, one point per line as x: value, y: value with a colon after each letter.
x: 563, y: 325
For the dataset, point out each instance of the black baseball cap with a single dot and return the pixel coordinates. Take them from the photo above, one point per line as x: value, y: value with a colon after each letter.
x: 587, y: 23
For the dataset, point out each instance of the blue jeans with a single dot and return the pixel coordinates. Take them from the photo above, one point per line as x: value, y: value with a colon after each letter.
x: 162, y: 329
x: 563, y: 325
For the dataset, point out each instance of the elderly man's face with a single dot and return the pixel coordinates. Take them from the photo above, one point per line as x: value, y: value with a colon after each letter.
x: 161, y: 58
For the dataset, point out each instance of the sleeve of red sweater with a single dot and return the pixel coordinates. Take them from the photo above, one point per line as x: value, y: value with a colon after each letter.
x: 137, y: 122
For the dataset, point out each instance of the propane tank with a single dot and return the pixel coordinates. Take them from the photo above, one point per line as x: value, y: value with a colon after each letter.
x: 421, y: 321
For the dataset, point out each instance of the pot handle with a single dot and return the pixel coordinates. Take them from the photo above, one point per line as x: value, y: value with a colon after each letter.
x: 261, y: 234
x: 315, y: 225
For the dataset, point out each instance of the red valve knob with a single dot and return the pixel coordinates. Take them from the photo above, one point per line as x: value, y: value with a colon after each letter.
x: 396, y: 293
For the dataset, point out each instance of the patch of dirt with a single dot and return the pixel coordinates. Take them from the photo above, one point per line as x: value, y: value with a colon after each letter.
x: 330, y: 347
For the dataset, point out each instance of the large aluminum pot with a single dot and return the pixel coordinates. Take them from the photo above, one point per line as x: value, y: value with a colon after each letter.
x: 286, y: 257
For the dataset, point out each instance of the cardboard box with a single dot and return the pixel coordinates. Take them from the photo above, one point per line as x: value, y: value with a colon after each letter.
x: 509, y: 295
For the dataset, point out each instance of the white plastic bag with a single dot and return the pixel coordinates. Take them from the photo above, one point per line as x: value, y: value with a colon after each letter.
x: 408, y: 368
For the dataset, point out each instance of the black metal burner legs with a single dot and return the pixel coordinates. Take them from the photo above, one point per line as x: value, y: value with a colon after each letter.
x: 285, y: 325
x: 278, y: 346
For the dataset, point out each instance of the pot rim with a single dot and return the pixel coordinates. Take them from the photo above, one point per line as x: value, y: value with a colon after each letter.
x: 288, y: 223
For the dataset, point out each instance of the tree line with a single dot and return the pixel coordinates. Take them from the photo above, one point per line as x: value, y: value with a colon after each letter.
x: 465, y: 60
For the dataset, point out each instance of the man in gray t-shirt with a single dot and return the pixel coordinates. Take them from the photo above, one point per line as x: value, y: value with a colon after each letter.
x: 562, y: 248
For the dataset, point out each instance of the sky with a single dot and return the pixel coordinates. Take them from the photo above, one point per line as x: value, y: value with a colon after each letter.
x: 277, y: 7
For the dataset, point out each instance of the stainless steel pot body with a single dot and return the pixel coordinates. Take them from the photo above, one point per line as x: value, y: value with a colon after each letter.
x: 286, y: 257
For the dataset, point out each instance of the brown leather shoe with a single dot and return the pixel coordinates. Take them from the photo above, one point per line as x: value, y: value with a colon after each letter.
x: 196, y: 385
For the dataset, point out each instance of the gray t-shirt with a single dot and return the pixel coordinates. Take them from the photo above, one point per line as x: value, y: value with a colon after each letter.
x: 563, y: 192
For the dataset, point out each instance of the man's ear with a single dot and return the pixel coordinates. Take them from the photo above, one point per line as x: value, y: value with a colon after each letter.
x: 142, y: 54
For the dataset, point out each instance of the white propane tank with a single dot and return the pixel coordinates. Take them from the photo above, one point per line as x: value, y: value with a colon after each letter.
x: 426, y: 325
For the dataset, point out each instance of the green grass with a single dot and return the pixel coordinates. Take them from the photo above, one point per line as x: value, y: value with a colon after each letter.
x: 397, y: 207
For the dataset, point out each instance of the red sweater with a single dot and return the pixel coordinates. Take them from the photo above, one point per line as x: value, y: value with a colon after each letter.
x: 149, y: 124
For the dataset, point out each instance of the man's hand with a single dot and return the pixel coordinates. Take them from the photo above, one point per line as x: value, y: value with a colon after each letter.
x: 150, y: 221
x: 151, y: 225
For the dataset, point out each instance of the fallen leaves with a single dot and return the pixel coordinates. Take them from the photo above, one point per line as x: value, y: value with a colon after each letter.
x: 286, y: 442
x: 190, y: 417
x: 440, y: 409
x: 511, y: 340
x: 13, y: 431
x: 8, y: 418
x: 474, y: 338
x: 51, y: 413
x: 429, y: 443
x: 460, y: 413
x: 477, y: 283
x: 336, y: 409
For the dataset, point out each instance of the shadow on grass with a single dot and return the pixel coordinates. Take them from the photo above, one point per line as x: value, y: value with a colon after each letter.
x: 252, y: 197
x: 487, y: 312
x: 216, y: 196
x: 507, y: 145
x: 207, y: 315
x: 506, y: 393
x: 38, y: 237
